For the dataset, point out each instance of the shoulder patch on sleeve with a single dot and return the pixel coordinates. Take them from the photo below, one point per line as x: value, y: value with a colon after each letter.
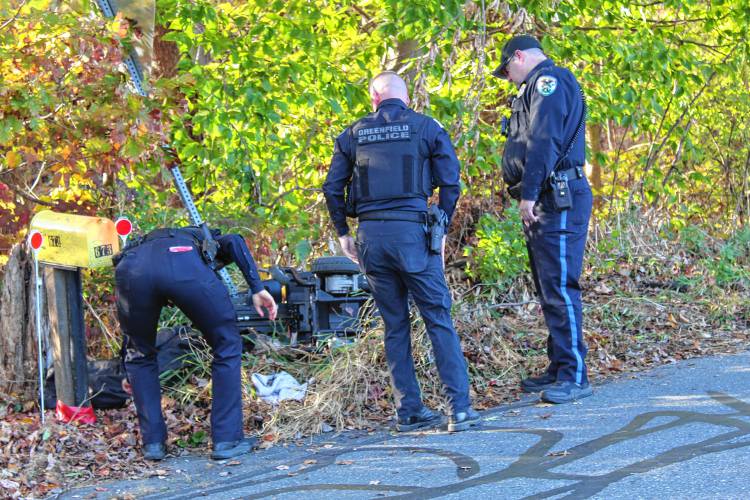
x: 439, y: 124
x: 546, y: 85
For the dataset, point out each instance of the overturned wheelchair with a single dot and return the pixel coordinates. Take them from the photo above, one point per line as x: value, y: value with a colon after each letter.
x: 323, y: 306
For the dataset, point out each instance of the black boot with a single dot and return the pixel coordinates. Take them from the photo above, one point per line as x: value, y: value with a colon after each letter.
x: 538, y: 384
x: 231, y: 449
x: 463, y: 420
x: 425, y: 418
x: 154, y: 451
x: 566, y: 391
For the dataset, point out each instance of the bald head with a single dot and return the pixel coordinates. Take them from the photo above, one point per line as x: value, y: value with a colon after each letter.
x: 388, y: 85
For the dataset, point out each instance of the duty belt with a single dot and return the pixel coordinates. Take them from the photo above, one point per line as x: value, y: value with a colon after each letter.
x: 156, y: 234
x: 402, y: 215
x: 168, y: 232
x: 571, y: 173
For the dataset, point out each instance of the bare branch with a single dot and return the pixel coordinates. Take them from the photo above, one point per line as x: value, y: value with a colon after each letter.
x: 15, y: 16
x: 290, y: 191
x: 31, y: 198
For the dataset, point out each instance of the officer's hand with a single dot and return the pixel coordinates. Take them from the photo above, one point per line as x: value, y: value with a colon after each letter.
x: 528, y: 216
x: 264, y: 299
x: 347, y: 246
x: 127, y: 387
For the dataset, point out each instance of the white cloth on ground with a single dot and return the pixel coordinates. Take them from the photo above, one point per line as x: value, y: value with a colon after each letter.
x: 278, y: 387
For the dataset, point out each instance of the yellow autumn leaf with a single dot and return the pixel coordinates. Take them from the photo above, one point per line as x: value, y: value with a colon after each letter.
x: 119, y: 25
x: 12, y: 159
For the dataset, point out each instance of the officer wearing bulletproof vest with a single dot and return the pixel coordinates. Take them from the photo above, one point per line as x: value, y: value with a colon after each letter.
x: 394, y: 158
x: 543, y: 167
x: 167, y: 265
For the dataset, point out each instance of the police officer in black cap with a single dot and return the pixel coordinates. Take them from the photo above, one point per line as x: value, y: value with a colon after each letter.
x: 169, y: 265
x: 394, y: 158
x: 543, y: 167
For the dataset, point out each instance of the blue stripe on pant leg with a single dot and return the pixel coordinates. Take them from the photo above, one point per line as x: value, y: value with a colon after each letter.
x: 568, y: 302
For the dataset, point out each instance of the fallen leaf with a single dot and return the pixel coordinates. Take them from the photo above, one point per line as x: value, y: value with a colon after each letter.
x: 615, y: 365
x: 563, y: 453
x: 344, y: 462
x: 234, y: 462
x: 7, y: 483
x: 282, y: 467
x: 310, y: 462
x: 376, y: 482
x: 545, y: 416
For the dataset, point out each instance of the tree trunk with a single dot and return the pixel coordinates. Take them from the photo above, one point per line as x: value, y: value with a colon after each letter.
x: 166, y: 55
x: 19, y: 371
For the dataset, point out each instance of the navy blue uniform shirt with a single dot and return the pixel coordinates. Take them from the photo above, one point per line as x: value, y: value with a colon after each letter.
x: 232, y: 248
x: 443, y: 162
x: 545, y: 115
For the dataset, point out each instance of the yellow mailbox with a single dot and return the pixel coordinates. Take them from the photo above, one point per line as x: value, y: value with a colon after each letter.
x: 76, y: 240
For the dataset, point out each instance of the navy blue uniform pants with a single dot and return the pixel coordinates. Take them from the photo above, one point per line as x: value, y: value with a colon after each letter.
x: 171, y: 269
x: 396, y: 260
x: 556, y: 245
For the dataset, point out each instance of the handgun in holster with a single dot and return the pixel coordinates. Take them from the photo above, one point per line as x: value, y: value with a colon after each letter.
x: 209, y: 247
x: 437, y: 224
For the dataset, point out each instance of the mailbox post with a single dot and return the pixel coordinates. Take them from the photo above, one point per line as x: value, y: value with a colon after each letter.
x: 71, y: 242
x: 67, y: 334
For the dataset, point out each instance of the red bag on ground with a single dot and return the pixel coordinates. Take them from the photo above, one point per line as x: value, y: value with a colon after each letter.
x: 82, y: 414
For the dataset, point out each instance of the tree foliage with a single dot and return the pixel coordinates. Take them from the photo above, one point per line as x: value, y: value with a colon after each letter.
x: 68, y: 124
x: 263, y: 87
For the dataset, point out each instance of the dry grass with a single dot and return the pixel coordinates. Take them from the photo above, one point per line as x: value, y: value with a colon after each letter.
x: 633, y: 319
x: 353, y: 389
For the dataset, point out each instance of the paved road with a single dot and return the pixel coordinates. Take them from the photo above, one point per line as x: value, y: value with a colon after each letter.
x: 675, y: 432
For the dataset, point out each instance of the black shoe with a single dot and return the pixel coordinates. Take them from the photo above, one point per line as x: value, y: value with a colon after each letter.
x: 538, y: 384
x: 566, y: 391
x: 231, y: 449
x: 154, y: 451
x: 463, y: 420
x: 423, y: 419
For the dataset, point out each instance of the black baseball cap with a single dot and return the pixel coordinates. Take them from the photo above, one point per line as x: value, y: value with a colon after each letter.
x: 518, y: 42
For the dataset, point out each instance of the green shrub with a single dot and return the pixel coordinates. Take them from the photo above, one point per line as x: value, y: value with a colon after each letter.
x: 732, y: 264
x: 695, y: 241
x: 500, y: 253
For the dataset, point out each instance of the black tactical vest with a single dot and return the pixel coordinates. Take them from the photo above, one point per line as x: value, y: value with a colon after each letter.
x: 389, y: 163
